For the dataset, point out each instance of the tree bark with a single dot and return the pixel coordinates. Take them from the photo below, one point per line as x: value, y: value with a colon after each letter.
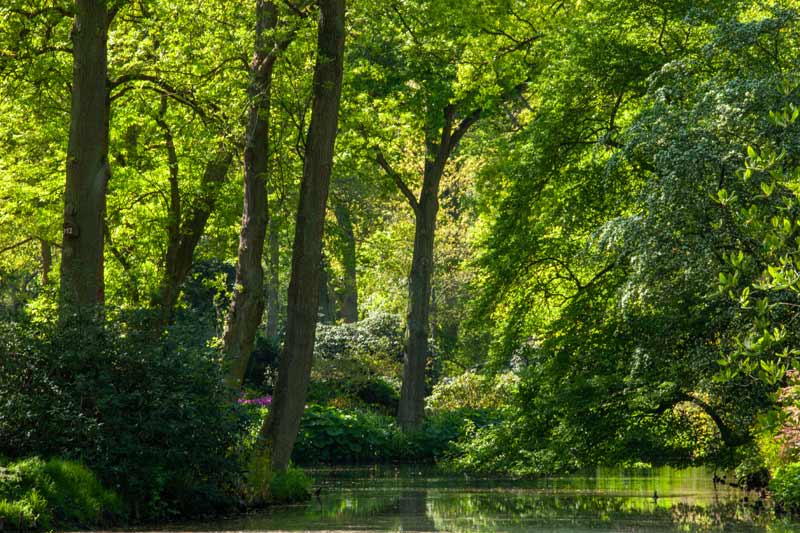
x: 273, y: 281
x: 411, y: 409
x: 327, y: 309
x: 47, y: 261
x: 349, y: 299
x: 412, y: 393
x: 88, y: 170
x: 279, y: 431
x: 247, y: 305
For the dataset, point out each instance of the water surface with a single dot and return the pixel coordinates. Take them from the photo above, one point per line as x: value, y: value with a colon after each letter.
x: 389, y: 499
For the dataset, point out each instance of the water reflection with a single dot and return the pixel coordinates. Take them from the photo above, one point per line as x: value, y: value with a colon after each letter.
x: 613, y: 500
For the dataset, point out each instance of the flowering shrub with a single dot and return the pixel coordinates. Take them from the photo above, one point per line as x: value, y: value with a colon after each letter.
x: 263, y: 401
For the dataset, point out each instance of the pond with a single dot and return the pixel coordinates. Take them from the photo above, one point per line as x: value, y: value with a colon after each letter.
x: 410, y: 499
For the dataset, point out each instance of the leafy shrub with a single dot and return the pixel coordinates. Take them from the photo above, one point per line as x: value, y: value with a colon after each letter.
x: 54, y: 492
x: 150, y: 417
x: 262, y: 367
x: 785, y: 487
x: 331, y: 435
x: 379, y: 393
x: 473, y: 391
x: 290, y: 486
x: 359, y: 361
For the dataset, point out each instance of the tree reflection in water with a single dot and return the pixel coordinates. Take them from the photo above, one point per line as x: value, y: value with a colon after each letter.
x: 394, y: 500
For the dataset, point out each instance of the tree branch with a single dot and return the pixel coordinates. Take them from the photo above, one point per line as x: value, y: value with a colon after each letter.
x: 462, y: 128
x: 381, y: 160
x: 16, y: 245
x: 299, y: 9
x: 161, y: 86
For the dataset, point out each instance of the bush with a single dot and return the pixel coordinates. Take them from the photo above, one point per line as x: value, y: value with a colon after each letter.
x: 150, y: 417
x: 359, y: 362
x: 55, y: 492
x: 471, y: 390
x: 785, y: 487
x: 290, y: 487
x: 331, y: 435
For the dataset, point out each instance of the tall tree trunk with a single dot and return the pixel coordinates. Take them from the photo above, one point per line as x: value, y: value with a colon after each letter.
x: 440, y: 141
x: 327, y: 309
x: 247, y: 305
x: 279, y: 431
x: 273, y: 280
x: 412, y: 393
x: 47, y: 261
x: 349, y: 309
x: 88, y: 171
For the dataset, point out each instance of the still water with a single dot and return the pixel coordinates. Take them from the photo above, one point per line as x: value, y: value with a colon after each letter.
x: 390, y: 499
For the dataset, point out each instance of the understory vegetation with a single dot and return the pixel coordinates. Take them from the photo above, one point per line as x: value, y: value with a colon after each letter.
x: 506, y: 238
x: 38, y: 494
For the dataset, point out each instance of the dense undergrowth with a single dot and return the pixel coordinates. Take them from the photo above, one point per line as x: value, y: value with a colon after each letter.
x: 38, y: 494
x: 149, y: 416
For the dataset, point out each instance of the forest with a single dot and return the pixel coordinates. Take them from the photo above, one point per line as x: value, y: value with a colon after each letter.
x: 504, y: 237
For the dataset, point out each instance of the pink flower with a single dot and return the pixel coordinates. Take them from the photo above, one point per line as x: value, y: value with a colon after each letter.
x: 264, y: 401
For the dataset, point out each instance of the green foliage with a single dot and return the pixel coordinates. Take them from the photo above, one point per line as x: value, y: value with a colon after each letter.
x: 785, y: 486
x: 337, y: 436
x: 55, y: 493
x: 359, y: 363
x: 29, y: 512
x: 150, y: 417
x: 763, y: 278
x: 471, y: 390
x: 331, y: 435
x: 291, y: 486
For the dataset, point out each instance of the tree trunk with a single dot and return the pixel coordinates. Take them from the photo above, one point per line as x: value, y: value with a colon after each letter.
x: 411, y: 409
x: 247, y: 305
x: 88, y: 171
x: 47, y: 261
x: 327, y: 309
x: 412, y: 393
x: 184, y: 235
x: 279, y: 431
x: 273, y: 281
x: 349, y: 309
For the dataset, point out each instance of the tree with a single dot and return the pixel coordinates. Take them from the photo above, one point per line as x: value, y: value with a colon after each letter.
x: 426, y: 74
x: 279, y: 431
x: 347, y: 240
x: 247, y: 305
x: 184, y: 231
x: 609, y: 225
x: 88, y: 168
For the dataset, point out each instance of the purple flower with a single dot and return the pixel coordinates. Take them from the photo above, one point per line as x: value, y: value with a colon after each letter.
x: 264, y: 400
